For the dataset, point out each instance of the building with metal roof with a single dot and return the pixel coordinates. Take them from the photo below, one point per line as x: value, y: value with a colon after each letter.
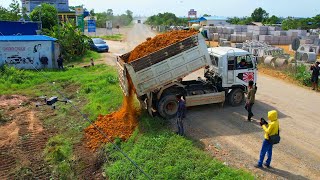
x: 27, y: 38
x: 210, y: 21
x: 29, y: 51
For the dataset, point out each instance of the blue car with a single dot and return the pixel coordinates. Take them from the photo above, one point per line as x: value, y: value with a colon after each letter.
x: 99, y: 45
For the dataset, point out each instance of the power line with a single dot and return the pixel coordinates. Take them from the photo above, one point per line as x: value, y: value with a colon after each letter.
x: 95, y: 126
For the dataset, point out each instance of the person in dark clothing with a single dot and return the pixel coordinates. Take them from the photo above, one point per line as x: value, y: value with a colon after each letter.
x: 250, y: 99
x: 315, y: 75
x: 242, y: 64
x: 92, y: 63
x: 60, y: 62
x: 180, y: 114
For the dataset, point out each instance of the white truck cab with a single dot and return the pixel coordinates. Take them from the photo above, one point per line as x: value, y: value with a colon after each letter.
x: 236, y: 67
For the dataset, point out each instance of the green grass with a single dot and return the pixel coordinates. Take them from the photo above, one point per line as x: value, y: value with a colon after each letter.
x: 164, y: 155
x: 58, y: 153
x: 114, y: 37
x: 301, y: 74
x: 86, y: 57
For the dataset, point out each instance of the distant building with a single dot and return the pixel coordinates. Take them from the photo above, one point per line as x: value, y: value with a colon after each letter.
x: 210, y: 21
x: 61, y: 5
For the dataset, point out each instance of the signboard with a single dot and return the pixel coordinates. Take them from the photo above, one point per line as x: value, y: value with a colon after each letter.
x: 109, y: 24
x: 79, y: 10
x: 192, y: 12
x: 80, y: 22
x: 91, y: 26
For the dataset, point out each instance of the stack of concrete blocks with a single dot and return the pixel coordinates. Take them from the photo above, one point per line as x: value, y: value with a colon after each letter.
x: 210, y: 30
x: 239, y: 34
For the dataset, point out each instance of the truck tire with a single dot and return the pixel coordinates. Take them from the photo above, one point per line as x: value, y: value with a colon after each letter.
x: 168, y: 106
x: 236, y: 97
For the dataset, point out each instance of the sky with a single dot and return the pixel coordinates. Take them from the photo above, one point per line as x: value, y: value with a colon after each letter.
x: 227, y: 8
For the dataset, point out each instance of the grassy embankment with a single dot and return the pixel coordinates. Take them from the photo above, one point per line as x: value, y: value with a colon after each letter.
x: 159, y: 152
x: 114, y: 37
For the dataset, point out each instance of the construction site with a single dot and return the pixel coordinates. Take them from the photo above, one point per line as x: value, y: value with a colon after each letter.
x: 194, y: 99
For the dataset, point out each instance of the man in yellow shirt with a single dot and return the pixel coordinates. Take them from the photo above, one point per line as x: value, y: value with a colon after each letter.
x: 271, y: 128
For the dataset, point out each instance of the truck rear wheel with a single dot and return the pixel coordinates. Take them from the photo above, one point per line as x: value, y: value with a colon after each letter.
x: 236, y: 97
x: 168, y: 106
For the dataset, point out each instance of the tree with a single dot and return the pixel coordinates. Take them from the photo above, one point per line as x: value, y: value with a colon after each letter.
x: 72, y: 41
x: 110, y: 12
x: 206, y: 15
x: 129, y: 14
x: 234, y: 20
x: 167, y: 19
x: 47, y: 13
x: 92, y: 13
x: 12, y: 13
x: 272, y: 20
x: 121, y: 20
x: 290, y: 23
x: 259, y: 15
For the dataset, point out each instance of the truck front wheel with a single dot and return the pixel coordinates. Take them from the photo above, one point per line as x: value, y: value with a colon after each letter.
x: 236, y: 97
x: 168, y: 106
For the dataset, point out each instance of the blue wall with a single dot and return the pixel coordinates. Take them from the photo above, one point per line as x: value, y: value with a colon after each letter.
x: 23, y: 28
x: 61, y: 5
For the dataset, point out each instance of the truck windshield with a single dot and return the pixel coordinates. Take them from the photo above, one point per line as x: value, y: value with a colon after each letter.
x: 214, y: 60
x: 244, y: 62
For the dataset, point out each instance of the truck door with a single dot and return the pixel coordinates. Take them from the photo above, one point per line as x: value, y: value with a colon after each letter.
x: 245, y: 70
x: 231, y: 68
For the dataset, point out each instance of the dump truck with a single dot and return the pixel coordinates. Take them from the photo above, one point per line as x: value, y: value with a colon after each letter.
x: 158, y: 77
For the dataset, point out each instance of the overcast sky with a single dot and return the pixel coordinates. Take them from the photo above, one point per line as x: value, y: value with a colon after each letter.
x: 228, y: 8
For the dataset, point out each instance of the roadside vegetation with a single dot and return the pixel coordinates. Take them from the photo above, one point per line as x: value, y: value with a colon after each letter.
x: 114, y: 37
x: 95, y: 90
x: 260, y: 15
x: 300, y: 75
x: 166, y: 19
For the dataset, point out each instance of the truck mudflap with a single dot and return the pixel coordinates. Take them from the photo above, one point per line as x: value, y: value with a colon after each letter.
x: 211, y: 98
x: 122, y: 75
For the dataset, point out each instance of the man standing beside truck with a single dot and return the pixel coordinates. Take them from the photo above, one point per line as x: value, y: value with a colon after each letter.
x: 181, y: 114
x: 250, y: 99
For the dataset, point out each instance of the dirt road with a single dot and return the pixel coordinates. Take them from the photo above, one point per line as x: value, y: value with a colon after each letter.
x: 228, y: 136
x: 134, y: 36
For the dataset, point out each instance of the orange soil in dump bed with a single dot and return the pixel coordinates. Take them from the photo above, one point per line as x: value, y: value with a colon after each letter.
x: 158, y: 42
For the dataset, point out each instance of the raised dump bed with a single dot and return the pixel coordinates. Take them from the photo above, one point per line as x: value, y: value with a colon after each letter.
x: 164, y: 66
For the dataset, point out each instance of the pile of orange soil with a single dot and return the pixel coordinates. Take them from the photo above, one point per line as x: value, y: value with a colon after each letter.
x: 158, y: 42
x: 121, y: 124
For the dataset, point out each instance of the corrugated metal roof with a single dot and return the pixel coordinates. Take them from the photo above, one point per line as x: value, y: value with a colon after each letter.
x: 27, y: 38
x: 213, y: 18
x: 195, y: 20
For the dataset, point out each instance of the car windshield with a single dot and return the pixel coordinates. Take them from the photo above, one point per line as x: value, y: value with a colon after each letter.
x: 98, y: 41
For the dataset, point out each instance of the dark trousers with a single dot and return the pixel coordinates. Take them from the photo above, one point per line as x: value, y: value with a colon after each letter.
x: 266, y: 148
x: 60, y: 66
x: 180, y: 126
x: 249, y: 109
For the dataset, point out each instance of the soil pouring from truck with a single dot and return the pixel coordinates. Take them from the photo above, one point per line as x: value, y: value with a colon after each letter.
x: 157, y: 77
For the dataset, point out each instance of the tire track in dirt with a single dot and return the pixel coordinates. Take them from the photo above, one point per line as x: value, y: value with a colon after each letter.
x: 23, y: 158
